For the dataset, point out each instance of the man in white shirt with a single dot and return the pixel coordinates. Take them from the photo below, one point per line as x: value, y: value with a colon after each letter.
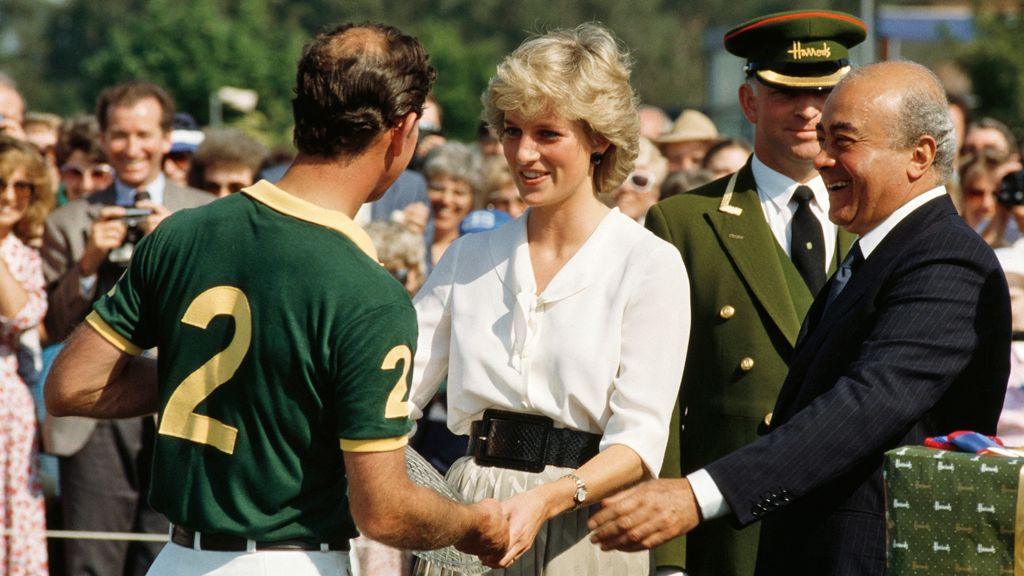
x: 757, y: 246
x: 909, y: 339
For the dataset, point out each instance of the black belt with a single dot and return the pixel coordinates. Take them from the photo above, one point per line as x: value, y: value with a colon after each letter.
x: 528, y: 442
x: 228, y: 543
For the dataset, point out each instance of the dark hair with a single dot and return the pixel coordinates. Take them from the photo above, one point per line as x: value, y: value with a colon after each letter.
x: 130, y: 93
x: 80, y: 133
x: 683, y: 181
x: 354, y: 82
x: 989, y: 123
x: 227, y: 147
x: 960, y: 102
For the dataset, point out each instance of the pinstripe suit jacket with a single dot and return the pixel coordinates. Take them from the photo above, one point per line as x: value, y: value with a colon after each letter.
x: 917, y: 344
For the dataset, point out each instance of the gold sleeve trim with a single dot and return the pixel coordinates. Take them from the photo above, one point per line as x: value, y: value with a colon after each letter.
x: 374, y: 445
x: 120, y: 342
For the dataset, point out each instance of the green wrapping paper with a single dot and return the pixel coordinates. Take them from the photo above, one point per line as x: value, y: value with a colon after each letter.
x: 953, y: 513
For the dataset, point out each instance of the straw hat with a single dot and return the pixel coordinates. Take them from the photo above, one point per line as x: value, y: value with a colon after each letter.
x: 690, y: 126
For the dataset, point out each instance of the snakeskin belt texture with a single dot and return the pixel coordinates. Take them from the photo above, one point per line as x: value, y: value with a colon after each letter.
x: 528, y: 442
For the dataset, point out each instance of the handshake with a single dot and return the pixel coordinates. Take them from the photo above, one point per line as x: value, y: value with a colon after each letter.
x: 638, y: 518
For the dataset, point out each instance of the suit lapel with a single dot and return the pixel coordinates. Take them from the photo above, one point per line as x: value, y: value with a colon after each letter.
x: 743, y: 232
x: 819, y: 321
x: 174, y: 197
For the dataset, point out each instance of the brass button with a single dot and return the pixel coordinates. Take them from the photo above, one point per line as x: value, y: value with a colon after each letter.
x: 768, y: 419
x: 747, y: 364
x: 727, y: 312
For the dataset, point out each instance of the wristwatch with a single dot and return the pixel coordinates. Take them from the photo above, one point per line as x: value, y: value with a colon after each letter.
x: 580, y: 496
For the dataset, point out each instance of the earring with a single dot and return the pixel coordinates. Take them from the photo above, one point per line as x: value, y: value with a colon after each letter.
x: 596, y: 158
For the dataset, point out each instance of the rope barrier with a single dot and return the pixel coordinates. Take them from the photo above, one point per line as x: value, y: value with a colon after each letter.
x: 88, y: 535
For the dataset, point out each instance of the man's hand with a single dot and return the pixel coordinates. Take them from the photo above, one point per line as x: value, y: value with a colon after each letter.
x: 107, y: 232
x: 149, y: 223
x: 489, y: 537
x: 645, y: 516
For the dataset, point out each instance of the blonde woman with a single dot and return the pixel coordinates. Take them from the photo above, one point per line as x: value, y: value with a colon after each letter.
x: 562, y: 333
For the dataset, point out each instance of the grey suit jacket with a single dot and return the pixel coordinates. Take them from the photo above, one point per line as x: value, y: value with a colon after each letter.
x: 64, y: 240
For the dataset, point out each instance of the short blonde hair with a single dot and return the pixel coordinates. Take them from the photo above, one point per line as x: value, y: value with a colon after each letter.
x: 582, y: 75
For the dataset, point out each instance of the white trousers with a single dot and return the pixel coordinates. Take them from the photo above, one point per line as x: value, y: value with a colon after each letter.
x: 175, y: 560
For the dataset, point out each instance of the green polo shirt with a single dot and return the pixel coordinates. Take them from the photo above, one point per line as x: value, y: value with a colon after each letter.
x: 282, y: 342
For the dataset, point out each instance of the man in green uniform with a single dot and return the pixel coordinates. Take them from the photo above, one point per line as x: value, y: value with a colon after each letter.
x: 285, y: 347
x: 758, y: 246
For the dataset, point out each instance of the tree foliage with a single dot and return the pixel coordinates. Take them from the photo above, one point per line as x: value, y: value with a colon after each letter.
x: 64, y: 52
x: 996, y: 67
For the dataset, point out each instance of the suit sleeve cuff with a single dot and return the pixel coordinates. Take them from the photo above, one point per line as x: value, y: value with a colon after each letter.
x: 709, y: 497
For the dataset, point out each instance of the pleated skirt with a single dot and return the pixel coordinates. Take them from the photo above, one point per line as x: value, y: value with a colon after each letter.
x: 562, y: 547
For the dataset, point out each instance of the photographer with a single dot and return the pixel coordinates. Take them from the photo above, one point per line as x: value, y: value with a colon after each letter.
x: 86, y: 248
x: 987, y: 204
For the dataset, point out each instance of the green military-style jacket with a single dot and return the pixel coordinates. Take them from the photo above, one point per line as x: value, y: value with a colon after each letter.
x: 747, y: 304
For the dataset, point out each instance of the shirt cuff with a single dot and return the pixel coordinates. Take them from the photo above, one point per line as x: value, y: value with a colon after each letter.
x: 87, y: 286
x: 709, y: 497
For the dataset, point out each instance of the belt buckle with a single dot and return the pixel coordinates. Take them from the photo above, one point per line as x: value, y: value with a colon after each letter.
x: 515, y: 441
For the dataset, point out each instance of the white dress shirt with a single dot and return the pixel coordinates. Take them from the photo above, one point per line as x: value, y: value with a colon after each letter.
x: 709, y: 497
x: 126, y: 193
x: 775, y: 191
x: 601, y: 349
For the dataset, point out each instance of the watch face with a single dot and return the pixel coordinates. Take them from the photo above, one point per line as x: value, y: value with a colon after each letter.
x: 581, y: 495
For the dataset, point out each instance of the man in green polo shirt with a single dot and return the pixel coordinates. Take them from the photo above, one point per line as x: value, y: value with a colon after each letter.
x: 285, y: 347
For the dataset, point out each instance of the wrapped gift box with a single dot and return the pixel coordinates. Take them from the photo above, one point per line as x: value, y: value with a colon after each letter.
x: 953, y: 513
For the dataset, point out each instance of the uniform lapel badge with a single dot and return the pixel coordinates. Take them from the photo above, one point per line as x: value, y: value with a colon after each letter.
x: 726, y: 205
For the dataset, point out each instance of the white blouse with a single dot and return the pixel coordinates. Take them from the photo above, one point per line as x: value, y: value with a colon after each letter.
x: 600, y: 350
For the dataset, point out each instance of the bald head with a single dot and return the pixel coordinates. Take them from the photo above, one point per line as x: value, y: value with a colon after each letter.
x: 916, y: 100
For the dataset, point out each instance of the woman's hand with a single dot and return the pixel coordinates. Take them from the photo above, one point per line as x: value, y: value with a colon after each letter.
x: 526, y: 513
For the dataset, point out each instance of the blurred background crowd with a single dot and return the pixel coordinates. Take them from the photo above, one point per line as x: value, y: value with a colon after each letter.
x: 459, y: 183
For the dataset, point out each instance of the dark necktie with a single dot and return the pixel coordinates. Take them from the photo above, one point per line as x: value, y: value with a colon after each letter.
x: 807, y: 243
x: 141, y: 196
x: 850, y: 264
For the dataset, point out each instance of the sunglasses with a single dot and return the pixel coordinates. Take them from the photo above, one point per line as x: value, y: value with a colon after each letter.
x: 97, y: 172
x: 20, y: 186
x: 182, y: 159
x: 217, y: 188
x: 642, y: 180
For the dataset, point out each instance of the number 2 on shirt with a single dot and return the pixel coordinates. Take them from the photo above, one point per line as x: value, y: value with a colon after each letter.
x: 396, y: 407
x: 179, y: 419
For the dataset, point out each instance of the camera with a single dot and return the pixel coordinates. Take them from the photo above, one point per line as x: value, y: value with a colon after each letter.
x: 1011, y: 189
x: 132, y: 217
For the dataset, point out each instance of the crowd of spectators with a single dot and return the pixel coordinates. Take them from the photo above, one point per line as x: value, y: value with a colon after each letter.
x: 67, y: 189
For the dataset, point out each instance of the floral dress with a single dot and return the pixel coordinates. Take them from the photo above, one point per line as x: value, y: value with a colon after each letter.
x: 22, y: 516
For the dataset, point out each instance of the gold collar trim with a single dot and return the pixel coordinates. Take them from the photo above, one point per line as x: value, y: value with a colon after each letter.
x: 281, y: 201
